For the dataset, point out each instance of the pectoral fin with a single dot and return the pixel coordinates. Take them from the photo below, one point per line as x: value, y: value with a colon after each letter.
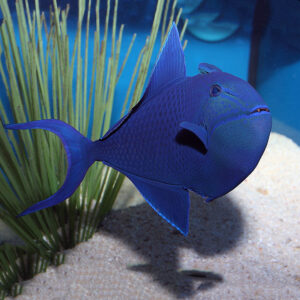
x: 170, y: 201
x: 198, y: 130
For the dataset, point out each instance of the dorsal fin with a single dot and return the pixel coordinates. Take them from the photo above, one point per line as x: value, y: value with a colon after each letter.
x: 170, y: 65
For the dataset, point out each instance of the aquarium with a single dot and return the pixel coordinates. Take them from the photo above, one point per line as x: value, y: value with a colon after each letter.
x: 125, y: 75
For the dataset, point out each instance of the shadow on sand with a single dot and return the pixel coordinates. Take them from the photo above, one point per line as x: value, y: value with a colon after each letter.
x: 214, y: 229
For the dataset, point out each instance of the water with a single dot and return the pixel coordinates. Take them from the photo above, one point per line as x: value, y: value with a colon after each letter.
x: 259, y: 42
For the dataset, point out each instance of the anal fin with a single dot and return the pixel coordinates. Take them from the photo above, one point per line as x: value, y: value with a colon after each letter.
x: 170, y: 201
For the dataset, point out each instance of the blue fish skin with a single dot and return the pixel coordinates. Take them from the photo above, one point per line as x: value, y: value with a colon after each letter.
x: 204, y: 133
x: 147, y: 145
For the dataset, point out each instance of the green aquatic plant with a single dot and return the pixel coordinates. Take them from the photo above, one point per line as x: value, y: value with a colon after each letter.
x: 39, y: 74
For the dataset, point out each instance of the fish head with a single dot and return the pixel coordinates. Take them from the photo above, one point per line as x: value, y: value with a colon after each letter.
x: 226, y: 98
x: 238, y: 124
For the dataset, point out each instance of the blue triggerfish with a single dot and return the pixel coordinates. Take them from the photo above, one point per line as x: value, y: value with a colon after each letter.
x: 204, y: 133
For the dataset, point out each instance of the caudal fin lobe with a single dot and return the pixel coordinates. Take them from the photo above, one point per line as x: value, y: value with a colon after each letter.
x: 79, y: 157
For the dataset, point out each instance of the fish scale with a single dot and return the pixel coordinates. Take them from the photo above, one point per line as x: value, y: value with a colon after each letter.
x: 142, y: 135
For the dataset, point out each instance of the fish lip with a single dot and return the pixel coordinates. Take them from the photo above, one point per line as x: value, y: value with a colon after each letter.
x: 259, y: 110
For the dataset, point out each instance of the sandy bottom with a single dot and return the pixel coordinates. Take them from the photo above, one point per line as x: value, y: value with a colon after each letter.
x: 245, y: 245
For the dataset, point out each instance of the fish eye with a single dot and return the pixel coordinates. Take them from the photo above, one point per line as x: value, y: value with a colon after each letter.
x: 215, y: 90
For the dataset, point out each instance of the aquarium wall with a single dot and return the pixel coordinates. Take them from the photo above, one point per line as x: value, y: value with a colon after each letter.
x: 278, y: 71
x: 256, y: 41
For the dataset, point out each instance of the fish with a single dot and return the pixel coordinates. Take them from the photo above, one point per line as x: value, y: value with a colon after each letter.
x: 204, y: 133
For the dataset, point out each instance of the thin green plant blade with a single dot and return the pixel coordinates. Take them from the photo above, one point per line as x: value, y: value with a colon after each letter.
x: 43, y: 77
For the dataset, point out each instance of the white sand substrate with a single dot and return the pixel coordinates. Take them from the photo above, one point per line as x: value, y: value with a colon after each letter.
x: 245, y: 245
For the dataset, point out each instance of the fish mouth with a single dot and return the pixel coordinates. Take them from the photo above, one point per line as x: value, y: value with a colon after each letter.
x: 259, y: 110
x: 256, y: 111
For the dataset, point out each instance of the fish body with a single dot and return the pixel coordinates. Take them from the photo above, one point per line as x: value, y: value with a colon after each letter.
x: 204, y: 133
x: 153, y: 144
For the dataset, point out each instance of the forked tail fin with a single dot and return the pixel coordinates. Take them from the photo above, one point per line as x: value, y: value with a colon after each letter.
x: 79, y: 155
